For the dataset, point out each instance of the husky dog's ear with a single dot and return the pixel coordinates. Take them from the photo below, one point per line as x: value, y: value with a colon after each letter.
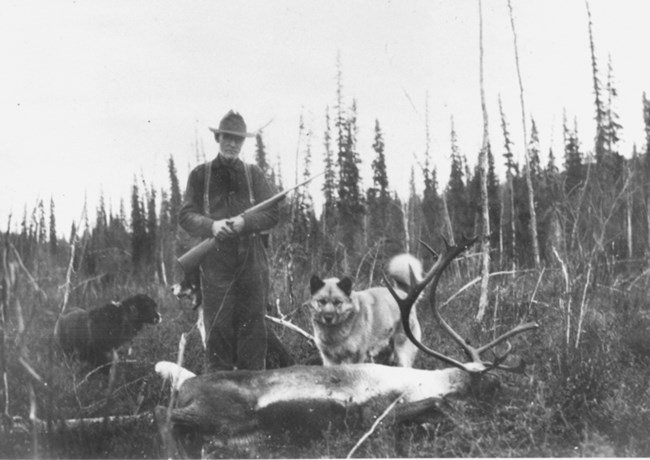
x: 345, y: 285
x: 315, y: 284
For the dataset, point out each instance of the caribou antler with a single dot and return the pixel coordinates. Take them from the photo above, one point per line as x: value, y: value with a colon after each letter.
x: 433, y: 276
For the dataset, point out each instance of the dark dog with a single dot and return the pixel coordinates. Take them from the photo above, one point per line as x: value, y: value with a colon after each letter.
x: 190, y: 288
x: 94, y: 334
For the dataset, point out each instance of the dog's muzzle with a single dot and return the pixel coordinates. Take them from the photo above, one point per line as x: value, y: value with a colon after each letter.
x: 326, y: 319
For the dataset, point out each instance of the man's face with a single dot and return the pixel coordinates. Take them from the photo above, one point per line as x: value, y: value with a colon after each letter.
x: 230, y: 145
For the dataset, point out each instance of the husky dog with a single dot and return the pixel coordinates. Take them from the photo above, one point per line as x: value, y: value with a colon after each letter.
x: 364, y: 326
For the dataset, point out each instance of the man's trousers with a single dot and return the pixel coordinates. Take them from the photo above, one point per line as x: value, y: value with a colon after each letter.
x: 235, y: 282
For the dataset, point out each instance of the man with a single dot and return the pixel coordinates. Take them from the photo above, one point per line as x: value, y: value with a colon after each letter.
x: 235, y: 275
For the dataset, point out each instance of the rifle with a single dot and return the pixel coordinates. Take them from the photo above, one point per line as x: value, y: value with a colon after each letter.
x: 192, y: 258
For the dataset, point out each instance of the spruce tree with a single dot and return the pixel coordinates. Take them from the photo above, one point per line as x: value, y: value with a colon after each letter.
x: 302, y: 216
x: 534, y: 162
x: 33, y: 226
x: 531, y: 175
x: 101, y: 226
x: 82, y: 259
x: 600, y: 116
x: 431, y: 205
x: 152, y: 256
x: 378, y: 199
x: 175, y: 198
x: 573, y: 165
x: 612, y: 125
x: 378, y: 196
x: 330, y: 185
x: 350, y: 201
x: 42, y: 226
x: 138, y: 229
x: 413, y: 216
x: 96, y: 250
x: 379, y: 174
x: 24, y: 233
x: 53, y: 238
x: 493, y: 197
x: 101, y: 220
x: 260, y: 154
x: 395, y: 225
x: 457, y: 202
x: 166, y: 235
x: 119, y: 239
x: 611, y: 131
x: 494, y: 200
x: 328, y: 219
x: 551, y: 168
x: 277, y: 173
x: 549, y: 198
x: 122, y: 213
x: 510, y: 217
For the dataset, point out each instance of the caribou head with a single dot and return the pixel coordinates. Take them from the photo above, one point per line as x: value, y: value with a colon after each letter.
x: 476, y: 364
x: 241, y: 405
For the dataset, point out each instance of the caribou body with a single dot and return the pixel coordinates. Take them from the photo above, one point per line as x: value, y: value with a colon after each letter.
x: 241, y: 404
x: 244, y: 404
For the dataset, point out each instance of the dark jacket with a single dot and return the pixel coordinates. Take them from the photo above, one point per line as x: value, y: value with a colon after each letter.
x: 228, y: 197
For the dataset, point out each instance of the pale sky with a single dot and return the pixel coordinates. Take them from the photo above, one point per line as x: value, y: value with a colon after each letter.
x: 95, y: 92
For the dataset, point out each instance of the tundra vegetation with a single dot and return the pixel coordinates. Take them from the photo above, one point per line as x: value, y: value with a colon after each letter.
x: 586, y: 391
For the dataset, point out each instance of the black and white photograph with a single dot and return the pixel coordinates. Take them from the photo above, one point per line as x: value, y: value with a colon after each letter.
x: 324, y: 229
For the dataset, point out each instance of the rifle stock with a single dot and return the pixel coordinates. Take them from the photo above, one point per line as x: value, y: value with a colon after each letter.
x: 192, y: 259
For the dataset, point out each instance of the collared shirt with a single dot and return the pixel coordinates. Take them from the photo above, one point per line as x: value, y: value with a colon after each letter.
x: 228, y: 197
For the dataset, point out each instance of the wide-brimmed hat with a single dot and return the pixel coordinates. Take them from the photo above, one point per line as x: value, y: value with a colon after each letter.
x: 232, y: 123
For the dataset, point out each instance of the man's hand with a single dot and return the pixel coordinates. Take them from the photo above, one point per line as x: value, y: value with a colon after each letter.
x: 237, y: 224
x: 227, y: 228
x: 222, y: 229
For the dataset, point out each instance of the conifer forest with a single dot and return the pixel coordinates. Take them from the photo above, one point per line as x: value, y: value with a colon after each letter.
x: 564, y: 242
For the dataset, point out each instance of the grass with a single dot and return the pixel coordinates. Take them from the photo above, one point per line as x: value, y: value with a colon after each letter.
x: 592, y: 399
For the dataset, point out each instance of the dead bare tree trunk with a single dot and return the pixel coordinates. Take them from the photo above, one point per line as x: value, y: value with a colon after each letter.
x: 512, y: 224
x: 628, y: 212
x: 5, y: 422
x: 485, y: 237
x: 502, y: 224
x: 529, y: 182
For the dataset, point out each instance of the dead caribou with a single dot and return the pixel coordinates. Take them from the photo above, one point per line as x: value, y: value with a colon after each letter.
x: 242, y: 405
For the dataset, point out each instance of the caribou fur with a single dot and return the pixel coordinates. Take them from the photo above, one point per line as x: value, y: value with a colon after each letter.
x: 244, y: 404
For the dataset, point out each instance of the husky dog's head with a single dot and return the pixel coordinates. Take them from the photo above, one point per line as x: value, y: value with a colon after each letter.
x: 331, y: 303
